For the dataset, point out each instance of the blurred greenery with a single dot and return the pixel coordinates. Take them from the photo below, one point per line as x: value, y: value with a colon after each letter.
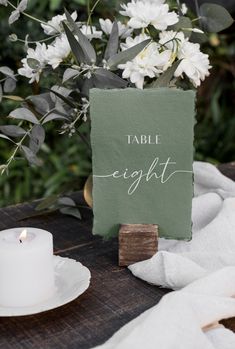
x: 66, y: 160
x: 215, y: 130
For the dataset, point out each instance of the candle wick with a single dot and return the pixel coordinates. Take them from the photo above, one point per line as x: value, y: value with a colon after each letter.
x: 21, y: 241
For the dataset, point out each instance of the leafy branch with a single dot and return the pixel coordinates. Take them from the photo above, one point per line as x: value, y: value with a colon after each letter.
x: 20, y: 9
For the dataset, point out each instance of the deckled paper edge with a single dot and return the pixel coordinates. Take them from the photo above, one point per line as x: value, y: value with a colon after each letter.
x: 193, y: 94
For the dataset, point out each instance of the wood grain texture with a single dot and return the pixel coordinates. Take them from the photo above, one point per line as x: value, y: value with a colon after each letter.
x: 137, y: 242
x: 114, y: 298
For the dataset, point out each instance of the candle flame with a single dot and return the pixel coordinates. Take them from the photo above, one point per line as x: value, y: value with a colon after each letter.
x: 23, y: 235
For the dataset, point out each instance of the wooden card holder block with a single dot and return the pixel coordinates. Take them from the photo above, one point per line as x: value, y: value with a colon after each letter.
x: 137, y: 242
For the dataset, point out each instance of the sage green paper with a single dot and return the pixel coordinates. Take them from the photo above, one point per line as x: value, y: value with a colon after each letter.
x: 149, y: 183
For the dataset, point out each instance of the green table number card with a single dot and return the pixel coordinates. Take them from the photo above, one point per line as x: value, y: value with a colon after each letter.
x: 142, y: 145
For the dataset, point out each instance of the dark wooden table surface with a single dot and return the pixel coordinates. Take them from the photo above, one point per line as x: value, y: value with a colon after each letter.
x: 114, y: 298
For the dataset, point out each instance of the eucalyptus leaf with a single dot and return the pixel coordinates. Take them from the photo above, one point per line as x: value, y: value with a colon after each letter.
x: 22, y: 5
x: 12, y: 130
x: 86, y: 46
x: 165, y: 78
x: 30, y: 156
x: 199, y: 38
x: 71, y: 211
x: 9, y: 85
x: 127, y: 55
x: 66, y: 201
x: 47, y: 203
x: 24, y: 114
x: 47, y: 96
x: 40, y: 103
x: 183, y: 24
x: 33, y: 63
x: 75, y: 46
x: 53, y: 116
x: 64, y: 91
x: 215, y: 18
x: 106, y: 79
x: 37, y: 137
x: 5, y: 137
x: 64, y: 99
x: 69, y: 74
x: 6, y: 71
x: 112, y: 46
x: 15, y: 15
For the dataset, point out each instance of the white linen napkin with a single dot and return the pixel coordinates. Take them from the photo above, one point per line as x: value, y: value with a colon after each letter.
x: 201, y: 271
x: 213, y: 244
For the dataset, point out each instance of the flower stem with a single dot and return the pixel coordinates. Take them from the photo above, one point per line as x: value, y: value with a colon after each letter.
x: 196, y: 19
x: 91, y: 11
x: 84, y: 139
x: 34, y: 42
x: 32, y: 17
x: 8, y: 76
x: 19, y: 144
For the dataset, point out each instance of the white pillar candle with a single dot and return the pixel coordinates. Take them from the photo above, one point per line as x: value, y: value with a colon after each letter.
x: 26, y: 267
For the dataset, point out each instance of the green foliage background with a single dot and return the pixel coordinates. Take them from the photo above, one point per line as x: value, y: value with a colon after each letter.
x: 66, y: 161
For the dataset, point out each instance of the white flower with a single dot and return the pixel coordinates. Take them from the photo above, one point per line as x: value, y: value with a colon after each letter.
x: 55, y: 24
x: 58, y: 51
x: 3, y: 2
x: 91, y: 33
x: 107, y: 25
x: 184, y: 9
x: 39, y: 54
x: 149, y: 63
x: 172, y: 40
x: 143, y: 13
x: 194, y: 64
x: 134, y: 41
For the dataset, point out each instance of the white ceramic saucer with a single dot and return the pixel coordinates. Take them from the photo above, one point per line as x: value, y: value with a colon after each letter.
x: 72, y: 279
